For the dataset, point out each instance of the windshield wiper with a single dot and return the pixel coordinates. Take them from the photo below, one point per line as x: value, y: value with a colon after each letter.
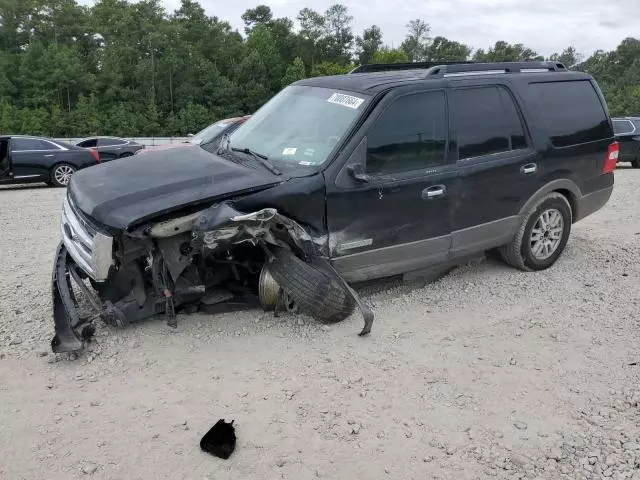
x: 263, y: 159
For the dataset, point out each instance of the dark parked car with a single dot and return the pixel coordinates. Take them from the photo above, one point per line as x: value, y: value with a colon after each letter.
x: 25, y: 159
x: 336, y: 180
x: 627, y: 132
x: 110, y: 148
x: 208, y: 138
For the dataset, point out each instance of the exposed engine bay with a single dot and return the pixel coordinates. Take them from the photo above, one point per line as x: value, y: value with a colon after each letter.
x: 211, y: 260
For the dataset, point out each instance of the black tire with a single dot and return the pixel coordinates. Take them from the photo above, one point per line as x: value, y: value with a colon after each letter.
x: 636, y: 163
x: 518, y: 253
x: 314, y: 291
x: 56, y: 174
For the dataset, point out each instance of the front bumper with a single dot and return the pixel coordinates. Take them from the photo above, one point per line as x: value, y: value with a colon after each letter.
x: 71, y: 330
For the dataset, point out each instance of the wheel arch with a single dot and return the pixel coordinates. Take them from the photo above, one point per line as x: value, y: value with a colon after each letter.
x: 568, y: 188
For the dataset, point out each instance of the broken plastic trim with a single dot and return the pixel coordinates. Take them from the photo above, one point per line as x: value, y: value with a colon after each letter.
x: 65, y: 314
x: 366, y: 312
x: 220, y: 440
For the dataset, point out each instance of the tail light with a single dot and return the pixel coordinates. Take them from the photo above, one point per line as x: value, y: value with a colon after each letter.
x: 612, y: 158
x: 94, y: 153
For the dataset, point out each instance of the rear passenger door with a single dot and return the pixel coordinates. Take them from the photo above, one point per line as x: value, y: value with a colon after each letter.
x: 498, y: 168
x: 110, y: 148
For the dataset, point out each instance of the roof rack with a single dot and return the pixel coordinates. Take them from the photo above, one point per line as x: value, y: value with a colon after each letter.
x: 387, y: 67
x: 459, y: 69
x: 453, y: 69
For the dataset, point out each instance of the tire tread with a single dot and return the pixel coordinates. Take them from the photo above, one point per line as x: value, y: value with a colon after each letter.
x: 511, y: 253
x: 314, y: 291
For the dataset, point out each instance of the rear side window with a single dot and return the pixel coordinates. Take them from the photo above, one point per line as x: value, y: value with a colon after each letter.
x: 92, y: 143
x: 410, y: 135
x: 621, y: 127
x: 571, y: 111
x: 47, y: 145
x: 487, y: 122
x: 109, y: 142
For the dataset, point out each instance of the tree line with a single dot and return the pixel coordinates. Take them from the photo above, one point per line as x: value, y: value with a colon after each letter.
x: 134, y: 69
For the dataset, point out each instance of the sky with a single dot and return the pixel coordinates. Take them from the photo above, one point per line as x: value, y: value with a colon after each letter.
x: 546, y: 26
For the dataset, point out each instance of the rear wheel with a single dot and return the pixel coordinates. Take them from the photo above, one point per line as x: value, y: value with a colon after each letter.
x: 636, y: 163
x: 61, y: 174
x: 542, y: 236
x: 313, y: 291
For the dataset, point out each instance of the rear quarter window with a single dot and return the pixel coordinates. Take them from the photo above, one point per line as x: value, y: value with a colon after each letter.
x: 622, y: 127
x: 571, y: 112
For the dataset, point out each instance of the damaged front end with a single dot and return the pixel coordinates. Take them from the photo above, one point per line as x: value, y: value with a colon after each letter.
x: 202, y: 260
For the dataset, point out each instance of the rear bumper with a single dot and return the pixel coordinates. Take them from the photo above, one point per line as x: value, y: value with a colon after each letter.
x: 592, y: 202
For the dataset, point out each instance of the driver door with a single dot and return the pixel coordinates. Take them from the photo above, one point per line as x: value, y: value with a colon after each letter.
x: 390, y: 209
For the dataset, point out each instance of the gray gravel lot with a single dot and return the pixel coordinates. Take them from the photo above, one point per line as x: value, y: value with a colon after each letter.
x: 486, y: 373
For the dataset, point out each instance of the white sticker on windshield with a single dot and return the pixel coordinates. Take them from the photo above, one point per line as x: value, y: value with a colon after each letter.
x: 306, y: 164
x: 345, y: 100
x: 309, y: 152
x: 289, y: 151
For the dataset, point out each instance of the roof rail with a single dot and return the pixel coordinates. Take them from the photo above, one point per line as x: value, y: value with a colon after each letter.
x: 459, y: 69
x: 386, y: 67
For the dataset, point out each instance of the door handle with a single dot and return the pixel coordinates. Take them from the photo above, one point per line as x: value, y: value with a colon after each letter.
x: 529, y: 168
x: 49, y: 155
x: 435, y: 191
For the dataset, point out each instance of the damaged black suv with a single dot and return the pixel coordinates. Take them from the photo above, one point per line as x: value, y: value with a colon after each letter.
x: 338, y: 180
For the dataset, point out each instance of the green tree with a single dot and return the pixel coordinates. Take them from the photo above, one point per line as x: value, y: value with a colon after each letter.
x: 85, y: 119
x: 329, y: 68
x: 505, y: 52
x: 338, y: 39
x: 260, y: 15
x: 443, y: 49
x: 312, y: 30
x: 417, y: 41
x: 390, y: 55
x: 8, y: 118
x: 368, y: 44
x: 569, y: 57
x: 33, y: 121
x: 130, y: 67
x: 295, y: 72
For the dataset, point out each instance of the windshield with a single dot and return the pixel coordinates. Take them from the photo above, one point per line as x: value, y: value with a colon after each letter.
x: 300, y: 125
x: 208, y: 133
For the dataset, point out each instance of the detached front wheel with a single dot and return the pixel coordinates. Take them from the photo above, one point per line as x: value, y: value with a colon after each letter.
x: 542, y: 236
x: 314, y: 291
x: 61, y: 174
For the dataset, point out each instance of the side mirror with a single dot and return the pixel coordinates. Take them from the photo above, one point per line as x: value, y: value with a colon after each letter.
x: 357, y: 172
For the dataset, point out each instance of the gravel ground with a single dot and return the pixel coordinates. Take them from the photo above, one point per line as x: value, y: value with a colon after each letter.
x: 486, y: 373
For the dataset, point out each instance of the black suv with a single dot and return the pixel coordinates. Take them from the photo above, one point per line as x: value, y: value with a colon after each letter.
x: 627, y: 131
x: 338, y: 180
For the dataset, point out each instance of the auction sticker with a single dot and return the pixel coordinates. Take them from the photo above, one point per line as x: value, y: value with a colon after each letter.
x: 345, y: 100
x: 289, y: 151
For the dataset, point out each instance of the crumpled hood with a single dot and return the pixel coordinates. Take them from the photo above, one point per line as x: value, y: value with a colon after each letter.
x: 127, y: 191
